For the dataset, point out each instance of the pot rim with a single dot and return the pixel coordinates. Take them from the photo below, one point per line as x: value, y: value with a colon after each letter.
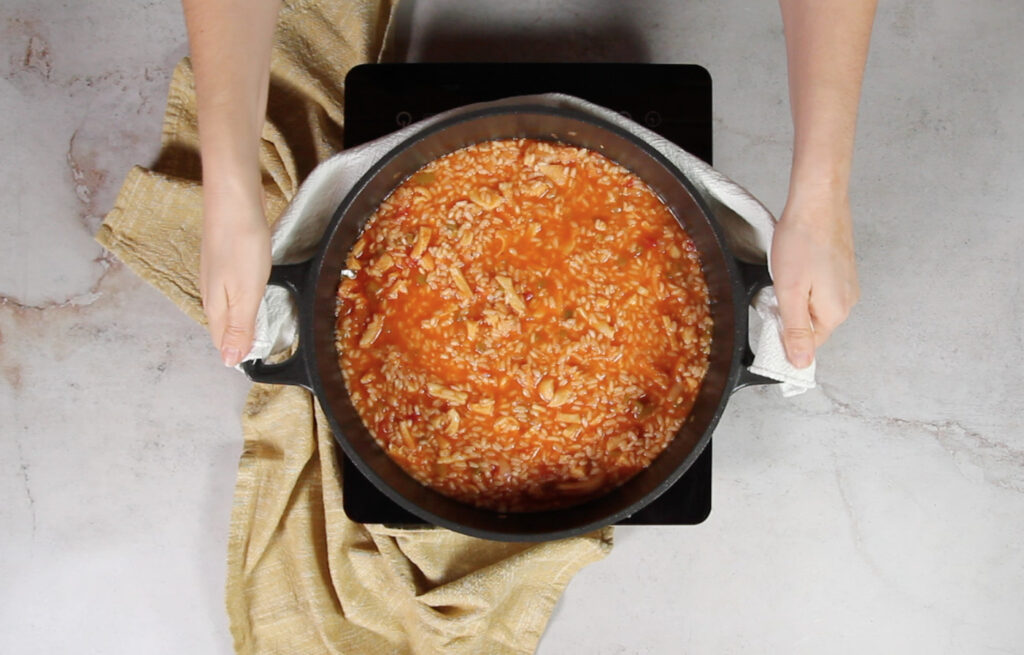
x: 316, y: 353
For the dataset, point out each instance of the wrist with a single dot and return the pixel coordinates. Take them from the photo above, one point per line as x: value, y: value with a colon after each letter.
x: 232, y: 187
x: 819, y: 187
x: 232, y: 202
x: 230, y: 173
x: 821, y: 167
x: 818, y: 204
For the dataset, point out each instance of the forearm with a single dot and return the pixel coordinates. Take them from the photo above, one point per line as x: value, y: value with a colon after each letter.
x: 826, y: 46
x: 230, y: 42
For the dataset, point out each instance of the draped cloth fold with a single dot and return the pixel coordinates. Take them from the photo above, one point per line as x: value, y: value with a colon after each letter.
x: 302, y: 577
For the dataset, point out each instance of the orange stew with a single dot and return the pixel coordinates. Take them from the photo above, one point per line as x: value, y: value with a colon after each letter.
x: 523, y: 325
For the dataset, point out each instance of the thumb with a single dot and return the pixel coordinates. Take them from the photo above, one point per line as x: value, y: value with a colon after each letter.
x: 797, y: 334
x: 238, y: 330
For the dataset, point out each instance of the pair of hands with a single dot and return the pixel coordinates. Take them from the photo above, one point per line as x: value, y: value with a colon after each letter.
x: 812, y: 258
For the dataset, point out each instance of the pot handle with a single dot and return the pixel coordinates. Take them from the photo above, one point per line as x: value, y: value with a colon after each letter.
x: 292, y: 370
x: 755, y: 277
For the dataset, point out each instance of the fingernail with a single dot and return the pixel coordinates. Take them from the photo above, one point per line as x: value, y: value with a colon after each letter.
x: 231, y: 356
x: 802, y: 359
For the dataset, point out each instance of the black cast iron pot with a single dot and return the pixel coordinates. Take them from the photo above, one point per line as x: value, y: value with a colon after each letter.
x: 314, y: 283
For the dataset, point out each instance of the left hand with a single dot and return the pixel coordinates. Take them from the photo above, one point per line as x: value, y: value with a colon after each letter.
x: 815, y: 273
x: 234, y: 266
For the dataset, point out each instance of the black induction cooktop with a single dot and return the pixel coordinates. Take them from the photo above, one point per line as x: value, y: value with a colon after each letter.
x: 670, y: 99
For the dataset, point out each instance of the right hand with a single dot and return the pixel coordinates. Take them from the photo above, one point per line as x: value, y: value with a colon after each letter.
x: 814, y: 269
x: 234, y: 267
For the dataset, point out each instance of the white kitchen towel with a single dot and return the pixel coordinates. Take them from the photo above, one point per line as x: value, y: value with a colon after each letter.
x: 747, y: 224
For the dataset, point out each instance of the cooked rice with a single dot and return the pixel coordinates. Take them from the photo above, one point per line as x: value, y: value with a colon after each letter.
x: 527, y: 325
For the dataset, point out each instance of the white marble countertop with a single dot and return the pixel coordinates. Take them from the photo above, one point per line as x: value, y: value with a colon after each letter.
x: 883, y: 512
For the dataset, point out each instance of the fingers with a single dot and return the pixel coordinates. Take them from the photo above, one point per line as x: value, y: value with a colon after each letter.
x: 215, y: 305
x: 798, y: 335
x: 826, y: 320
x: 237, y: 332
x: 231, y: 320
x: 821, y: 334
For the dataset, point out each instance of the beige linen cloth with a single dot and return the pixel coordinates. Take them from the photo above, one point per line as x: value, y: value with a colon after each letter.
x: 302, y: 577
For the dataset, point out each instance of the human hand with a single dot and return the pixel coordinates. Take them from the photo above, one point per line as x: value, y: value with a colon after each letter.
x: 233, y: 269
x: 814, y: 271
